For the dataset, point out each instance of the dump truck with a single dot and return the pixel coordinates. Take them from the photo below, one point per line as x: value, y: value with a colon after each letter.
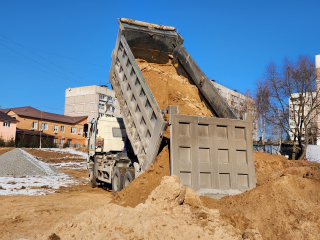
x: 211, y: 154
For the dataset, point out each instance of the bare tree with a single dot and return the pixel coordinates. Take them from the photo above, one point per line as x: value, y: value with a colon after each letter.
x: 261, y: 99
x: 290, y: 100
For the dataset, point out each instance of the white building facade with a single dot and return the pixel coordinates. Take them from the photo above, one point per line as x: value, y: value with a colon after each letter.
x: 92, y: 101
x: 239, y: 104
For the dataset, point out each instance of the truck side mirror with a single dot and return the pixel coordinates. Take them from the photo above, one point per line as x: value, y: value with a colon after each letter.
x: 85, y: 127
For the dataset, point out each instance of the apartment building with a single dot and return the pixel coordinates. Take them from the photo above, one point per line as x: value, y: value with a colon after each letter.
x: 8, y: 126
x: 294, y: 103
x: 92, y: 101
x: 64, y: 129
x: 295, y: 111
x: 239, y: 104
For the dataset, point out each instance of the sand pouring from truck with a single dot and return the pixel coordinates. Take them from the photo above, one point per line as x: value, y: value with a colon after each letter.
x: 155, y: 78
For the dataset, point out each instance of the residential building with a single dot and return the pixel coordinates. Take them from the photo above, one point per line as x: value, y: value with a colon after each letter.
x: 92, y: 101
x: 295, y: 112
x: 294, y: 105
x: 65, y: 129
x: 8, y: 127
x: 239, y: 104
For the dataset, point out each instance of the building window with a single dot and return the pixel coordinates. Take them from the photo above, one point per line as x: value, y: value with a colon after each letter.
x: 101, y: 96
x: 80, y: 131
x: 69, y: 142
x: 55, y: 128
x: 6, y: 124
x: 101, y: 106
x: 62, y: 129
x: 34, y: 125
x: 44, y: 126
x: 61, y: 141
x: 73, y: 130
x: 55, y: 141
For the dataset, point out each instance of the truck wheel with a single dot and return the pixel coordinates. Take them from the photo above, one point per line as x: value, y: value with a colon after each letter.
x: 128, y: 177
x: 117, y: 179
x: 93, y: 177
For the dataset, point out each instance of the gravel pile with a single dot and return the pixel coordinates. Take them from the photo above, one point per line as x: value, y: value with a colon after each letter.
x: 18, y: 163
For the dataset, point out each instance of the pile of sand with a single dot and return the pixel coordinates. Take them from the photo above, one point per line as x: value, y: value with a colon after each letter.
x: 170, y: 212
x: 285, y: 203
x: 170, y: 88
x: 140, y: 188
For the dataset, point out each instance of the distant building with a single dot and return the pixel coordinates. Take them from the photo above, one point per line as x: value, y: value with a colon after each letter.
x: 239, y: 104
x: 92, y: 101
x: 294, y: 105
x: 8, y: 126
x: 60, y: 128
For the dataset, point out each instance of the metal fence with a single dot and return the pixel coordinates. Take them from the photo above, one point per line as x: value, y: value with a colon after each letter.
x: 272, y: 149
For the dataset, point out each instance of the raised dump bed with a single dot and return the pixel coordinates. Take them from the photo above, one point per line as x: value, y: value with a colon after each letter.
x: 151, y: 70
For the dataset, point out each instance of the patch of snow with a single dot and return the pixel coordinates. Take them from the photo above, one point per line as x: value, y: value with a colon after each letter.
x: 34, y: 185
x: 70, y: 165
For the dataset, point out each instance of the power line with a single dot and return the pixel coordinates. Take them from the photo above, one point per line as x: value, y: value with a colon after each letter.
x: 54, y: 53
x: 41, y: 56
x: 66, y: 77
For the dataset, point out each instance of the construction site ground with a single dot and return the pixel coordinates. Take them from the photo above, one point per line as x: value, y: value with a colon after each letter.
x: 284, y: 205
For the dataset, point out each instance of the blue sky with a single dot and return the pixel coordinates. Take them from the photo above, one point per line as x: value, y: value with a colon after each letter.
x: 48, y: 46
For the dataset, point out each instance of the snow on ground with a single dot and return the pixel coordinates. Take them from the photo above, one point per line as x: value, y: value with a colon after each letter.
x: 70, y: 165
x: 65, y: 150
x: 31, y: 176
x: 34, y: 185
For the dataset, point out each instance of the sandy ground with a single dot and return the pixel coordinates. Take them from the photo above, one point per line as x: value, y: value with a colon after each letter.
x: 284, y: 205
x: 34, y: 216
x: 5, y: 149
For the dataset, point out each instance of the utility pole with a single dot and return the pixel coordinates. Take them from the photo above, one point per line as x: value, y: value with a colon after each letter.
x: 40, y: 127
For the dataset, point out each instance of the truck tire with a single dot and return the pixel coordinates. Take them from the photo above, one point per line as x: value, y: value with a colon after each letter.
x: 128, y: 177
x: 117, y: 179
x: 93, y: 176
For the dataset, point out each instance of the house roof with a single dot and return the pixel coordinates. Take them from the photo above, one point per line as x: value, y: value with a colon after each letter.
x: 35, y: 113
x: 7, y: 118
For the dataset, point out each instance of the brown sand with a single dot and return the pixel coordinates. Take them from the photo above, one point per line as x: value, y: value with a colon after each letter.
x: 170, y: 212
x: 140, y: 188
x: 170, y: 88
x: 285, y: 203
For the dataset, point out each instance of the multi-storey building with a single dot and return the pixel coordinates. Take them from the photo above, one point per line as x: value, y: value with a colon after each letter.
x: 63, y: 129
x: 91, y: 101
x: 296, y: 114
x: 294, y: 103
x: 239, y: 104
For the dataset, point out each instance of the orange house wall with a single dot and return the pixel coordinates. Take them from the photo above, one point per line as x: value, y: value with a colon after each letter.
x: 27, y: 122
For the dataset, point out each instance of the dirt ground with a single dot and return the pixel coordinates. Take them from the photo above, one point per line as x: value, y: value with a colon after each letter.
x: 170, y: 88
x: 33, y: 217
x: 4, y: 150
x: 284, y: 205
x: 53, y: 156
